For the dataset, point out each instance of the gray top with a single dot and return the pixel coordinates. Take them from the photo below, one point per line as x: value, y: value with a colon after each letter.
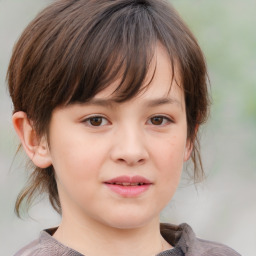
x: 181, y: 237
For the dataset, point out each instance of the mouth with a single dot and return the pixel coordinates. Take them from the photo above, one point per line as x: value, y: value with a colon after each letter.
x: 126, y: 186
x: 129, y: 181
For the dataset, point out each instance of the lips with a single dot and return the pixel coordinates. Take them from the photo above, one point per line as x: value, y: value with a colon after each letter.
x: 128, y: 186
x: 129, y: 181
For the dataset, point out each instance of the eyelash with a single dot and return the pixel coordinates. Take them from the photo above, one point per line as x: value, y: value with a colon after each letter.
x: 164, y: 119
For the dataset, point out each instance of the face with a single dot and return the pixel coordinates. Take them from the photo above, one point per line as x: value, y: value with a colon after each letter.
x: 119, y: 164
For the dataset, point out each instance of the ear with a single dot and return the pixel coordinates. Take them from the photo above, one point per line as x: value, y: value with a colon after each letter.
x: 188, y: 150
x: 190, y: 146
x: 36, y: 148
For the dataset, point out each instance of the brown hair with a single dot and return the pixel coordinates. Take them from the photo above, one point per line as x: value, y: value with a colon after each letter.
x: 75, y: 48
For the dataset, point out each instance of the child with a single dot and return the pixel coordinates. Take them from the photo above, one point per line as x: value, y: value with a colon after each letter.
x: 108, y: 97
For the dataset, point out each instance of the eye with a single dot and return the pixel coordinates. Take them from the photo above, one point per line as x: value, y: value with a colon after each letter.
x: 159, y: 120
x: 96, y: 121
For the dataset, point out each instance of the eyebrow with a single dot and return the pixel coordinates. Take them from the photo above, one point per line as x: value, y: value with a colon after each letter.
x: 149, y: 103
x: 163, y: 101
x: 100, y: 102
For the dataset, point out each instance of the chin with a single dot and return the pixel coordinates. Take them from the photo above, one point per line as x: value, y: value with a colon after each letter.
x: 129, y: 221
x: 128, y: 225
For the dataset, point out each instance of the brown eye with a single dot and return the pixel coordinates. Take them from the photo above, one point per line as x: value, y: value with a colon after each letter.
x: 159, y: 120
x: 96, y: 121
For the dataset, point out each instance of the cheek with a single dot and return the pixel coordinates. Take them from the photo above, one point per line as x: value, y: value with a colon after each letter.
x: 171, y: 154
x: 169, y: 164
x: 77, y: 174
x: 76, y: 160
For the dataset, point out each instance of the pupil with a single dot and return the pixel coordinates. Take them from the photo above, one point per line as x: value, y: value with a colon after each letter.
x: 157, y: 120
x: 96, y: 121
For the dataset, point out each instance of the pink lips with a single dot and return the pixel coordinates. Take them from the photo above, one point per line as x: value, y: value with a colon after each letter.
x: 128, y: 186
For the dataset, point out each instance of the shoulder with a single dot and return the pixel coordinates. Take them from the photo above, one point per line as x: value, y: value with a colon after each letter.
x: 32, y: 249
x: 46, y: 245
x: 208, y: 248
x: 182, y: 236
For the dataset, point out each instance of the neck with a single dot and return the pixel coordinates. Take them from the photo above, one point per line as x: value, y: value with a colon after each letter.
x: 92, y: 238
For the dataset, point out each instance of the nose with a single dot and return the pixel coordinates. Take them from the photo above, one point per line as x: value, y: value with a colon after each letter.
x: 129, y: 147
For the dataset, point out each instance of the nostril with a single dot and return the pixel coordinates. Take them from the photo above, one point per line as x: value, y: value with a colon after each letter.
x: 131, y: 161
x: 121, y: 160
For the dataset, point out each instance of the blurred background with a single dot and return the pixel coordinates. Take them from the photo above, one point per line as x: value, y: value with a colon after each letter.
x: 223, y: 207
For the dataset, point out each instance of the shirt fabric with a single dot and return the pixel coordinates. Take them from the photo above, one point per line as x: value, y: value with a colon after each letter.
x: 181, y: 237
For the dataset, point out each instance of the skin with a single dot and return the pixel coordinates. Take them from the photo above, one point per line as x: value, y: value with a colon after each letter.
x: 144, y: 136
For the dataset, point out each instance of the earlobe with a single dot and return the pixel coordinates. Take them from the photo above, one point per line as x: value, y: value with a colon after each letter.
x: 36, y: 149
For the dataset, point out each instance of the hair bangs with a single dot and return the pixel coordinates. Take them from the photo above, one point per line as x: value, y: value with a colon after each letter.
x: 118, y: 48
